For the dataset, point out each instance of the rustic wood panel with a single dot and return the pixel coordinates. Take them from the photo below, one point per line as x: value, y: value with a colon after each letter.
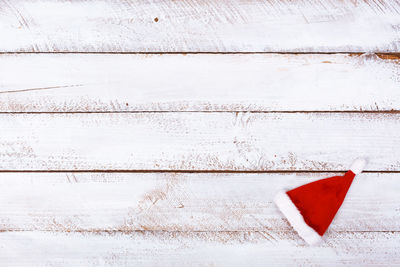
x: 262, y: 82
x: 199, y: 141
x: 194, y: 26
x: 183, y: 202
x: 196, y: 249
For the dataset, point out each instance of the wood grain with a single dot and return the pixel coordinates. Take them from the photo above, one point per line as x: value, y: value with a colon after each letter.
x: 267, y: 82
x: 199, y: 141
x: 196, y: 26
x: 196, y: 249
x: 184, y: 202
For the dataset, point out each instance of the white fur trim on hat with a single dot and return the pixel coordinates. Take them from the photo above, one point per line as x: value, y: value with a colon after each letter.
x: 358, y: 165
x: 294, y: 217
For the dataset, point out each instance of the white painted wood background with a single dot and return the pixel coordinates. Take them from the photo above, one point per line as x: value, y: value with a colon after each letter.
x: 155, y: 133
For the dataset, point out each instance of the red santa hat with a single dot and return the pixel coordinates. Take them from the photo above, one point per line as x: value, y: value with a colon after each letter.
x: 311, y: 208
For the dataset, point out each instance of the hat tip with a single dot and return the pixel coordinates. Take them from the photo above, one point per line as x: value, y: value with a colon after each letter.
x: 358, y: 165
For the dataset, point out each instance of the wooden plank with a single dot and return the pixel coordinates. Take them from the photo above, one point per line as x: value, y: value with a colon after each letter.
x: 217, y: 26
x: 199, y: 141
x: 196, y: 249
x: 184, y: 202
x: 261, y: 82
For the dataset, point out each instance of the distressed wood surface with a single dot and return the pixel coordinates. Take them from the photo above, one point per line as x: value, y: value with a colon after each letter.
x: 196, y: 26
x: 184, y: 202
x: 196, y: 249
x: 104, y: 124
x: 207, y: 82
x: 199, y: 141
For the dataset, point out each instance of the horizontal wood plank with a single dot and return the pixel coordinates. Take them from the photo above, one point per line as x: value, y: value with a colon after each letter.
x: 195, y: 26
x: 196, y: 249
x: 199, y: 141
x: 266, y: 82
x: 99, y: 202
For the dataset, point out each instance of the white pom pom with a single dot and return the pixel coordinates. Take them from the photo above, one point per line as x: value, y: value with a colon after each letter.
x: 358, y: 165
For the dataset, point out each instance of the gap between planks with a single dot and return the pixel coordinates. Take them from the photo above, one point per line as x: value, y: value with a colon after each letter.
x: 190, y: 171
x: 390, y: 56
x: 392, y: 111
x: 127, y: 232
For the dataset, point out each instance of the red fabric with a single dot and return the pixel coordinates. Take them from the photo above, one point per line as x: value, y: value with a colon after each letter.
x: 319, y: 201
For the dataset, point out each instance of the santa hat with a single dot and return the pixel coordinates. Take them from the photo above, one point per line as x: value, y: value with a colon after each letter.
x: 311, y: 208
